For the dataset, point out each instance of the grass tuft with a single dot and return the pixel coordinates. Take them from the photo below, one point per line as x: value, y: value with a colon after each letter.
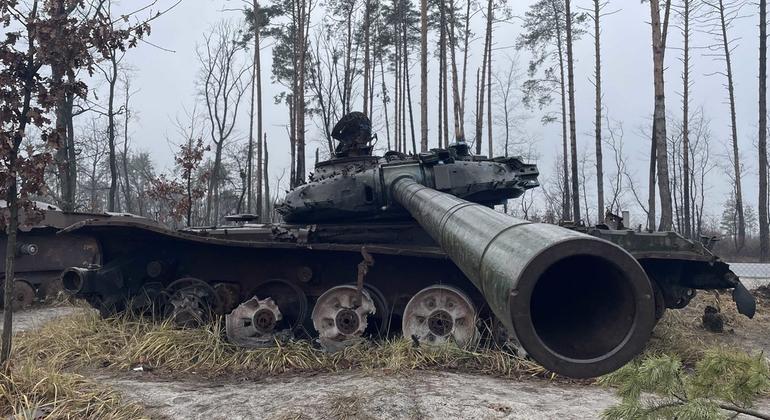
x: 34, y: 390
x: 121, y: 343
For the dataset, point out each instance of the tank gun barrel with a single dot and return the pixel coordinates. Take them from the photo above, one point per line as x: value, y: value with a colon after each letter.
x: 578, y: 305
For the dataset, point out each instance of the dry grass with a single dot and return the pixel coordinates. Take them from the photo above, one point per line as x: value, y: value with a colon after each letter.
x: 121, y: 343
x: 680, y: 333
x: 39, y: 382
x: 34, y: 389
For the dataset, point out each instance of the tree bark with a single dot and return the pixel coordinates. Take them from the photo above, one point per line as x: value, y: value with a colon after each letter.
x: 444, y: 135
x: 598, y: 122
x: 385, y: 103
x: 111, y: 132
x: 423, y: 76
x: 457, y: 100
x: 566, y: 208
x: 12, y: 199
x: 127, y: 178
x: 466, y: 45
x: 67, y: 167
x: 687, y: 229
x: 268, y: 202
x: 258, y: 82
x: 482, y: 85
x: 300, y: 120
x: 490, y: 140
x: 367, y: 63
x: 10, y: 261
x: 572, y: 122
x: 409, y: 96
x: 764, y: 229
x: 741, y: 240
x: 659, y: 117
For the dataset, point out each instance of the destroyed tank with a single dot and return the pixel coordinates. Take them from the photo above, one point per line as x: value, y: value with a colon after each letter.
x: 378, y: 246
x: 41, y: 254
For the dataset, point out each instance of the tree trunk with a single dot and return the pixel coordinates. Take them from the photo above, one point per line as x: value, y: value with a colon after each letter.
x: 67, y: 167
x: 566, y: 208
x: 258, y: 70
x: 441, y: 88
x: 687, y: 229
x: 348, y: 74
x: 490, y: 140
x: 457, y: 100
x: 483, y: 82
x: 111, y: 133
x: 598, y: 122
x: 572, y: 122
x: 10, y: 261
x: 397, y: 102
x: 300, y: 120
x: 659, y: 117
x: 127, y: 187
x: 293, y: 142
x: 466, y: 45
x: 741, y: 240
x: 367, y: 63
x: 423, y: 76
x: 252, y: 106
x: 268, y: 202
x: 409, y: 96
x: 444, y: 80
x: 385, y: 103
x: 764, y: 229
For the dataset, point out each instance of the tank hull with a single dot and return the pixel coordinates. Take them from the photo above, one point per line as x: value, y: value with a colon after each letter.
x: 299, y: 263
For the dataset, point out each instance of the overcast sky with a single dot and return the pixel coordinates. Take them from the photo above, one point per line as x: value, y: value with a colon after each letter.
x: 166, y: 83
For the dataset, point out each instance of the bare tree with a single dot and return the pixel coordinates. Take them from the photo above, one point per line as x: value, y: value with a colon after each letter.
x: 509, y: 104
x: 91, y: 163
x: 597, y: 14
x: 222, y: 85
x: 617, y: 186
x: 127, y: 93
x: 110, y: 69
x: 686, y: 12
x: 572, y: 116
x: 482, y: 81
x: 302, y: 22
x: 722, y: 16
x: 658, y: 152
x: 544, y: 36
x: 424, y: 75
x: 764, y: 229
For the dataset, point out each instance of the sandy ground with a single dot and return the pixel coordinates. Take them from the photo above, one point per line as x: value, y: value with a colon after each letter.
x: 34, y: 317
x: 368, y: 395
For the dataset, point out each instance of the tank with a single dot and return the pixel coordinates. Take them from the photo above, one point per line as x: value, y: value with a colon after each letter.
x: 411, y: 245
x: 42, y: 254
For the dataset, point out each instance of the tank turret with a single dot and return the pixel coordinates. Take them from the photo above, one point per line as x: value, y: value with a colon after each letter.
x: 356, y: 189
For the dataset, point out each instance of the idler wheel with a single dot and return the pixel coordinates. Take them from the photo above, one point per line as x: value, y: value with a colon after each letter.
x: 253, y: 323
x: 441, y: 314
x: 23, y: 295
x: 340, y: 317
x: 191, y: 302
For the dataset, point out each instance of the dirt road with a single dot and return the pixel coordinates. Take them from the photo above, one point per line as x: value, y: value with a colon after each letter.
x: 368, y: 395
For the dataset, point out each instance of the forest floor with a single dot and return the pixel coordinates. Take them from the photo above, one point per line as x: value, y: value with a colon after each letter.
x: 411, y: 394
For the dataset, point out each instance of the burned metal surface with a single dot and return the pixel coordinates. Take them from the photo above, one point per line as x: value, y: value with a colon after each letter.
x: 372, y: 244
x: 42, y: 254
